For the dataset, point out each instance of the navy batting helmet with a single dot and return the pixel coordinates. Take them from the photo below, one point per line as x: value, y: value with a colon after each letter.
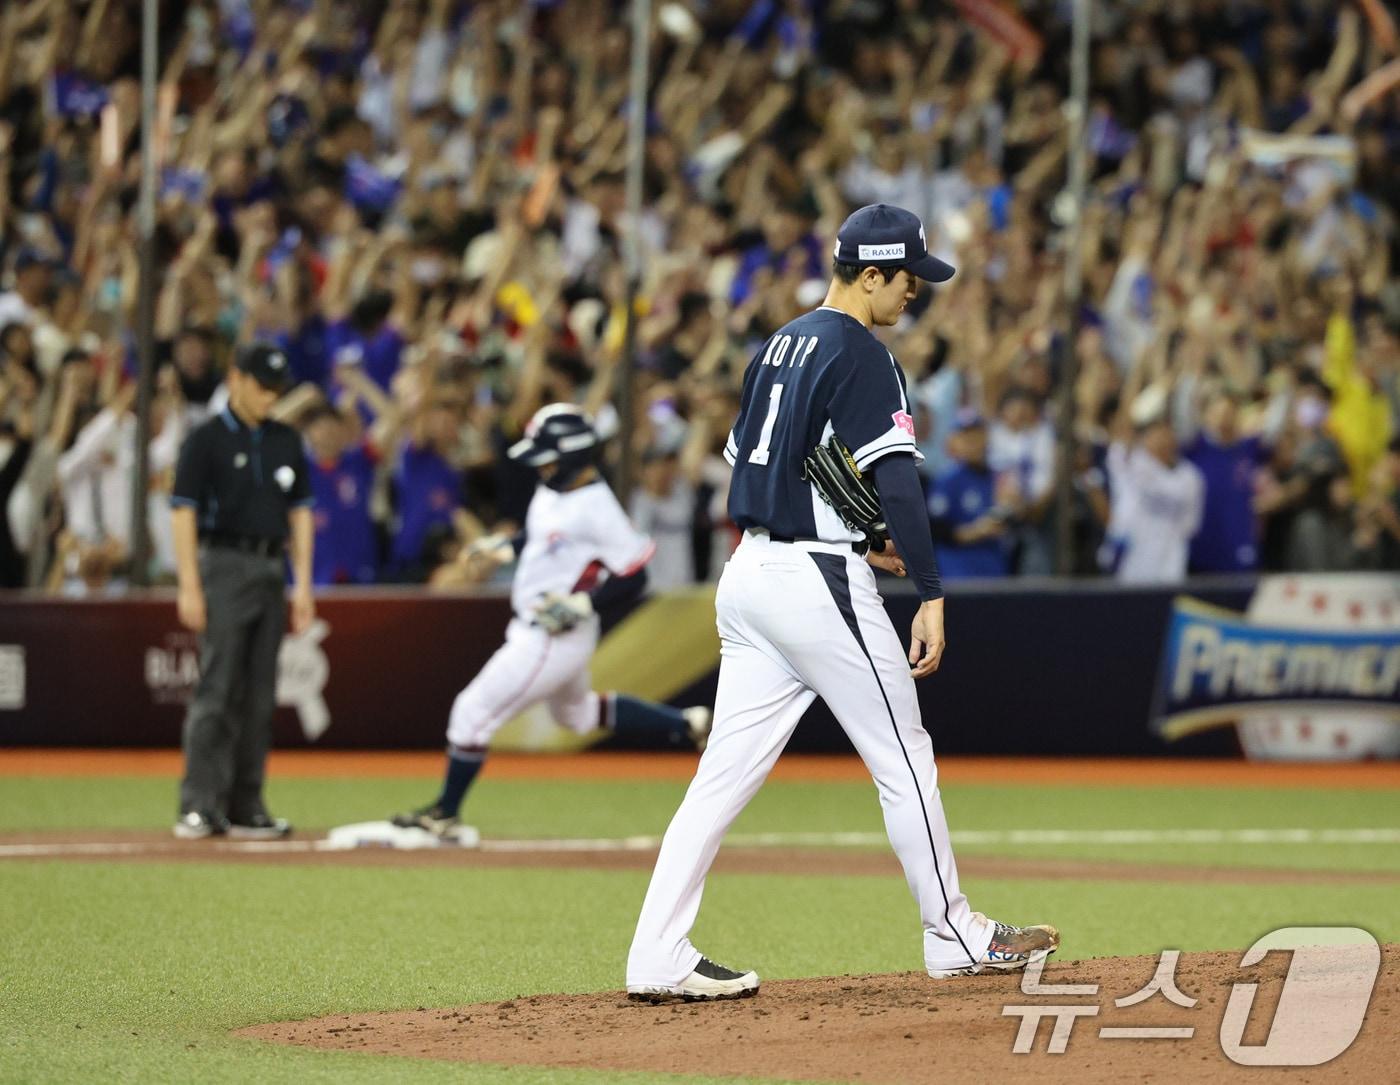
x: 558, y: 434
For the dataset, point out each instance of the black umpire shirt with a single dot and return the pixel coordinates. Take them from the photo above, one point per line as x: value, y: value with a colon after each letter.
x: 242, y: 482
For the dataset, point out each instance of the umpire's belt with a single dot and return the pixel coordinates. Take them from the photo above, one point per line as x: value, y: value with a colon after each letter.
x: 247, y: 544
x: 859, y: 548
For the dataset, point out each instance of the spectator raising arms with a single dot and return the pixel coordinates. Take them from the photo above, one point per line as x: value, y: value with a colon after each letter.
x: 422, y: 204
x: 1158, y: 497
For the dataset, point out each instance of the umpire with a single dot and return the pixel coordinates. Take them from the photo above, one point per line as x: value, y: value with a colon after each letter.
x: 241, y: 489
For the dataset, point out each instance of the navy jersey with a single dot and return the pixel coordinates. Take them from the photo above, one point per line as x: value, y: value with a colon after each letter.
x: 429, y: 491
x: 962, y: 495
x: 345, y: 550
x: 820, y: 374
x: 1228, y: 538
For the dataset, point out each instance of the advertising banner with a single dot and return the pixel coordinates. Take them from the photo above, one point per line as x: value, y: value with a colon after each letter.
x: 376, y: 669
x: 1293, y: 667
x: 1310, y: 671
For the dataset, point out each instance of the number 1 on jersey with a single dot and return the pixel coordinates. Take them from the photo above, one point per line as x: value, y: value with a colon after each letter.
x: 760, y: 454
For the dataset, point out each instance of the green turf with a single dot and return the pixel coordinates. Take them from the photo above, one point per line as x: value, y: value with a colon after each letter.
x: 623, y: 808
x: 138, y: 971
x: 1126, y: 807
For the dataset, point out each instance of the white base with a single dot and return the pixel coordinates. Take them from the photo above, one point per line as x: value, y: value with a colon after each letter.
x: 385, y: 834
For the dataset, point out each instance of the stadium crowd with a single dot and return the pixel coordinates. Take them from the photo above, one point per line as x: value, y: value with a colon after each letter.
x: 422, y: 203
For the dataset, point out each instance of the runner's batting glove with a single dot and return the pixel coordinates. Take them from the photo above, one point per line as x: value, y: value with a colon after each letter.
x: 560, y: 613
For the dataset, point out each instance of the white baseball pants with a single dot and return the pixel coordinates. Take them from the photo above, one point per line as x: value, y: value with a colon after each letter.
x: 531, y: 666
x: 798, y: 621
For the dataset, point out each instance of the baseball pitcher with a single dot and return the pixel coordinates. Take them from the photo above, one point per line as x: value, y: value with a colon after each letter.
x: 824, y: 471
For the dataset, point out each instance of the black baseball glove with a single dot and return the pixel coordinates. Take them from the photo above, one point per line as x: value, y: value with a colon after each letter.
x: 833, y: 471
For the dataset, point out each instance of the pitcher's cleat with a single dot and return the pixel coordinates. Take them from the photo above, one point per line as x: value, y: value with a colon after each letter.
x: 1011, y: 949
x: 709, y: 982
x: 698, y: 720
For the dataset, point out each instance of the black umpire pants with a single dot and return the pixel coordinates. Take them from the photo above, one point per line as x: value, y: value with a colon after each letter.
x: 229, y: 724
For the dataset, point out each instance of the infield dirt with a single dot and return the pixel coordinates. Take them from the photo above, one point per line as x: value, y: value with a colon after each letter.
x: 610, y: 765
x: 896, y: 1029
x: 147, y: 846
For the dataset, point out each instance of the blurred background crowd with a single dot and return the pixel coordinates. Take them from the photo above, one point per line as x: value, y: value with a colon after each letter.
x: 422, y: 202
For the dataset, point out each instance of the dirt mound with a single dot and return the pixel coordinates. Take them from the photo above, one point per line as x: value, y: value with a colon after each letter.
x: 892, y: 1028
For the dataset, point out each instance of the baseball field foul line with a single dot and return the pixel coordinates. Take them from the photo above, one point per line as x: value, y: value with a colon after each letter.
x: 57, y: 849
x: 1088, y: 836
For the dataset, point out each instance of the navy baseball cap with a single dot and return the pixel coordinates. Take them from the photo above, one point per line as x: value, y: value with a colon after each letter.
x: 880, y: 235
x: 266, y: 364
x: 554, y: 432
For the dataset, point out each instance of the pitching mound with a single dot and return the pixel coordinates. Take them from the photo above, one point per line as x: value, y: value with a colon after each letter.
x: 893, y: 1028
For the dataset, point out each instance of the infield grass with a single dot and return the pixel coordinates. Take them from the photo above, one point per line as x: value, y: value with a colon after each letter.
x: 125, y: 971
x: 612, y: 808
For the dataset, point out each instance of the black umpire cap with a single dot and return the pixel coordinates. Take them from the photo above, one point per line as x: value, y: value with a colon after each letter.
x: 266, y: 364
x: 881, y: 235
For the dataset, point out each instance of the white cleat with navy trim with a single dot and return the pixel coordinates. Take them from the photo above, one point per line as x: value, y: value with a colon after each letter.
x: 1010, y: 950
x: 709, y: 982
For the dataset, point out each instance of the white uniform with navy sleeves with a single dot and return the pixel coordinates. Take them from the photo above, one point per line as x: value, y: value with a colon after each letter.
x: 571, y: 540
x: 801, y: 619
